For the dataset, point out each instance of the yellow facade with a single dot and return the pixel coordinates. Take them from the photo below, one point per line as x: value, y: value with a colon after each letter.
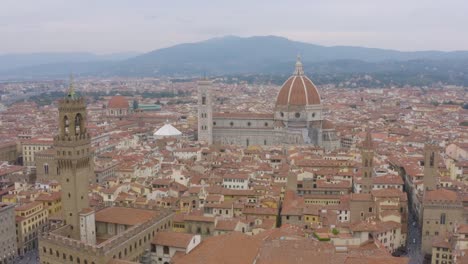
x: 9, y: 199
x: 312, y: 219
x: 52, y: 202
x: 322, y: 201
x: 30, y: 220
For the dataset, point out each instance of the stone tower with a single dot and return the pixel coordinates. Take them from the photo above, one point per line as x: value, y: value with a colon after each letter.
x: 205, y: 112
x: 291, y: 182
x: 367, y: 155
x: 74, y: 159
x: 430, y: 166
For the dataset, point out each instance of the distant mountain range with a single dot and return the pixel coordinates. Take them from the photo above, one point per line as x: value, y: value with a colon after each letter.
x: 233, y: 55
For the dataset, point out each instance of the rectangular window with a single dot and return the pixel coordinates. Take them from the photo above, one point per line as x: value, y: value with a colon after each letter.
x: 203, y: 100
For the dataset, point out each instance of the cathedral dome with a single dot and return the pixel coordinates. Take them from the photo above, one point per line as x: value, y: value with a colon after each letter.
x: 298, y: 90
x: 117, y: 102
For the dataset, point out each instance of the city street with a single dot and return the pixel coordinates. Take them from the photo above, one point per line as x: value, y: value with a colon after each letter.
x: 31, y: 257
x: 414, y: 234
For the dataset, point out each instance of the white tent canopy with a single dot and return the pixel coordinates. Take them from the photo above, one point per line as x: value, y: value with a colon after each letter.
x: 167, y: 131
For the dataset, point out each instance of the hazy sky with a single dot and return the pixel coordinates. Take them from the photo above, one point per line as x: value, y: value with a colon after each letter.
x: 106, y: 26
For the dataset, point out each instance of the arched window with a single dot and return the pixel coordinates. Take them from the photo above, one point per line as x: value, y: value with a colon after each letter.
x: 366, y: 163
x: 297, y: 115
x: 78, y: 123
x: 431, y: 160
x: 442, y: 219
x: 66, y: 124
x: 46, y: 168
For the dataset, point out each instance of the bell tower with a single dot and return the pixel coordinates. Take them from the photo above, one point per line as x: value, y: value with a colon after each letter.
x: 431, y: 162
x: 74, y: 158
x: 205, y: 112
x: 367, y: 155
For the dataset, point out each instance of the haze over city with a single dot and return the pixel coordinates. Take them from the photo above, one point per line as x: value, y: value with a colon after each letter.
x: 121, y: 26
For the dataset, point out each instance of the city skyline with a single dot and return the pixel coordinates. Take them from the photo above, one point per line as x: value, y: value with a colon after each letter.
x: 207, y: 132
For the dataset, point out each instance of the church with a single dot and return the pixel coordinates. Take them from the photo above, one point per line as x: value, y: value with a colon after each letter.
x: 297, y: 118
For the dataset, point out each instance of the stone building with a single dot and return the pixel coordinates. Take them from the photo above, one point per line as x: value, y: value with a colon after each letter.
x: 88, y: 236
x: 378, y: 204
x: 431, y: 172
x: 442, y: 210
x: 46, y: 167
x: 167, y: 244
x: 8, y: 233
x: 73, y: 155
x: 297, y: 118
x: 8, y: 151
x: 367, y: 155
x: 31, y: 147
x: 118, y: 106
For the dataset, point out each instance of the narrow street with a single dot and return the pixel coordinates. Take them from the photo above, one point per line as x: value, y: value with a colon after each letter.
x: 31, y: 257
x: 413, y: 242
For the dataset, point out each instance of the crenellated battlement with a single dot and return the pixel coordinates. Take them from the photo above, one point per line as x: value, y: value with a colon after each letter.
x: 73, y: 101
x: 72, y: 139
x: 112, y: 243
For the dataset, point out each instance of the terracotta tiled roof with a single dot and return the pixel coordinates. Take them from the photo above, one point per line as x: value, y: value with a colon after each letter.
x: 376, y: 260
x: 226, y: 225
x: 118, y: 101
x: 232, y: 248
x: 298, y: 91
x: 172, y: 239
x: 125, y: 216
x: 441, y: 195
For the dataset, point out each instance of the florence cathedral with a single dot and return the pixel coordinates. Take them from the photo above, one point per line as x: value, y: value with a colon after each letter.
x: 297, y: 118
